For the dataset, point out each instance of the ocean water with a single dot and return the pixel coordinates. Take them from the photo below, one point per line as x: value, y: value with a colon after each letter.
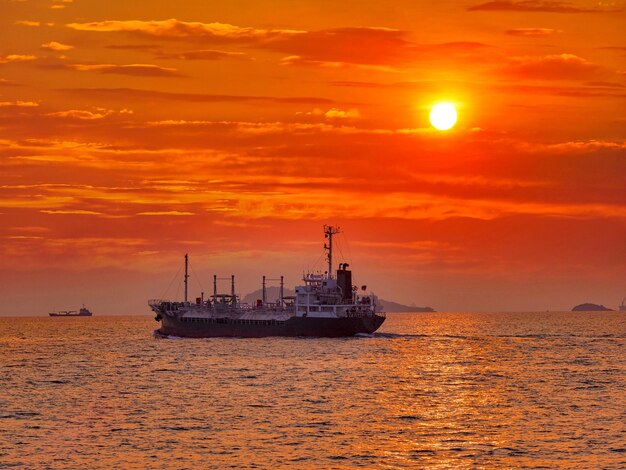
x: 440, y: 390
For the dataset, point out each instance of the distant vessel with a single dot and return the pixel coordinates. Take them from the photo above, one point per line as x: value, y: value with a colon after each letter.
x: 590, y: 308
x: 326, y: 305
x: 622, y: 307
x: 83, y: 312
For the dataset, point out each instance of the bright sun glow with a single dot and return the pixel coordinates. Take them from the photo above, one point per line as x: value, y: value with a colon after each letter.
x: 443, y: 116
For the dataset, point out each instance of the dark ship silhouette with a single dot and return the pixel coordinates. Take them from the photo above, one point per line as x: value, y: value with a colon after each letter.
x: 83, y: 312
x: 327, y: 305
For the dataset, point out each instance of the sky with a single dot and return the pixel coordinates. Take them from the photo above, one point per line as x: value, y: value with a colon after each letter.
x: 132, y: 133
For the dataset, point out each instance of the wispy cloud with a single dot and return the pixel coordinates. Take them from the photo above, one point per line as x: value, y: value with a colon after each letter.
x: 333, y: 113
x: 296, y: 60
x: 615, y: 48
x: 87, y: 115
x: 172, y: 213
x: 541, y: 6
x: 185, y: 30
x: 140, y: 70
x: 16, y: 58
x: 339, y: 47
x: 553, y: 67
x: 381, y: 47
x: 134, y: 47
x: 5, y: 82
x: 532, y: 32
x: 32, y: 23
x: 69, y: 212
x: 19, y: 104
x: 56, y: 46
x: 203, y: 54
x: 134, y: 93
x: 60, y: 4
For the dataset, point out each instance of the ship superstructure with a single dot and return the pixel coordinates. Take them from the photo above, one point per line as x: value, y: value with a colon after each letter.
x: 327, y: 304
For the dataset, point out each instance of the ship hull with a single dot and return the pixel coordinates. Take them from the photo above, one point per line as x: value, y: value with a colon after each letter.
x: 294, y: 326
x: 64, y: 315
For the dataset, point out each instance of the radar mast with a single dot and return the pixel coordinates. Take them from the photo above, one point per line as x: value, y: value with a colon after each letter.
x: 329, y: 231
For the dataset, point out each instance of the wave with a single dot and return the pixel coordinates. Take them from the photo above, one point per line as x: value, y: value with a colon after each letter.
x: 158, y: 334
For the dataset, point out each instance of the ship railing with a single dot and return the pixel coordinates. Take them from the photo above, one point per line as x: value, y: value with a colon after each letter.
x: 364, y: 313
x: 170, y: 305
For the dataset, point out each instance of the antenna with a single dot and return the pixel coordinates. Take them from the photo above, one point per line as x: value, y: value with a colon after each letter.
x: 186, y: 274
x: 264, y: 297
x: 329, y: 231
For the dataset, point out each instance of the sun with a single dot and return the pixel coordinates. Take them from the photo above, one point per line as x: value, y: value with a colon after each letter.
x: 443, y: 116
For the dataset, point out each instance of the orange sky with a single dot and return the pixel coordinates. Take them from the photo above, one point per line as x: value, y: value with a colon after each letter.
x: 133, y: 132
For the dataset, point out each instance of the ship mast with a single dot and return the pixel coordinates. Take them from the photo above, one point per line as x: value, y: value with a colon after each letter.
x: 186, y: 274
x: 329, y: 231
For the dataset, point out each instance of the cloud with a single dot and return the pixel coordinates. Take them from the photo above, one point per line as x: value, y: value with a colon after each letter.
x: 614, y: 48
x: 16, y: 58
x: 28, y: 23
x: 374, y: 46
x: 5, y: 82
x: 18, y: 104
x: 60, y: 4
x: 333, y: 113
x: 134, y: 47
x: 368, y: 46
x: 140, y: 70
x: 134, y: 93
x: 260, y: 176
x: 387, y: 57
x: 532, y: 32
x: 184, y: 30
x: 69, y: 212
x: 383, y: 47
x: 355, y: 84
x: 174, y: 213
x: 85, y: 115
x: 584, y: 146
x: 243, y: 128
x: 25, y: 237
x: 56, y: 46
x: 610, y: 85
x: 586, y: 91
x: 539, y: 6
x: 203, y: 54
x: 553, y: 67
x: 296, y: 60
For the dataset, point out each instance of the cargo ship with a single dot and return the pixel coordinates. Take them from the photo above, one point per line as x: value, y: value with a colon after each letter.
x: 325, y: 305
x: 83, y: 312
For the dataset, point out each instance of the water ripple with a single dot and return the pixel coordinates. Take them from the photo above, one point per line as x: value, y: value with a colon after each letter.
x: 428, y: 390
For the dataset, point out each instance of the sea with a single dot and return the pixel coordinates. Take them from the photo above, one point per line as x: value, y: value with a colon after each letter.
x: 428, y: 390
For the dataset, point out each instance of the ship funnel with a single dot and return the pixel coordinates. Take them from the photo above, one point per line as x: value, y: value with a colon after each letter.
x: 344, y: 281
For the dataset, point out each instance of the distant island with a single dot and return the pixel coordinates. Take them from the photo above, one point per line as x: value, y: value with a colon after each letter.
x: 272, y: 295
x: 390, y: 306
x: 591, y: 308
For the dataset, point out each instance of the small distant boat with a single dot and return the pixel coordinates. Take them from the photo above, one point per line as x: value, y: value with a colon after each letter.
x: 83, y: 312
x: 622, y: 307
